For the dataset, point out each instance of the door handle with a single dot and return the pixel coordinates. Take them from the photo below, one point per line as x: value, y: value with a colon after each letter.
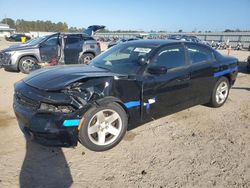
x: 184, y: 78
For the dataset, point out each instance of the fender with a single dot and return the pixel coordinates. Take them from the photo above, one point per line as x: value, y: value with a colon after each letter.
x: 110, y: 99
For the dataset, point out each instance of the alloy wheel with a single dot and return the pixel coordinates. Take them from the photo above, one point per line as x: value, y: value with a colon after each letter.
x: 86, y: 59
x: 221, y: 92
x: 28, y: 65
x: 104, y: 127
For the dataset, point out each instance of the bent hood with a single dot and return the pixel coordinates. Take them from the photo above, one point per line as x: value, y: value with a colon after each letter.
x: 18, y: 47
x: 57, y: 78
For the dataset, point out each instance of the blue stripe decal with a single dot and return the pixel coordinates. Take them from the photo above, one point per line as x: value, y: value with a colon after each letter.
x: 71, y: 122
x: 132, y: 104
x: 221, y: 73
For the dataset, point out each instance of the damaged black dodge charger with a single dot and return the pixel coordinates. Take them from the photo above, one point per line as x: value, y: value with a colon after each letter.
x: 128, y: 84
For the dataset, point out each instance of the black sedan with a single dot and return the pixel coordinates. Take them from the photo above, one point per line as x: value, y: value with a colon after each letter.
x: 129, y: 84
x: 17, y: 37
x: 248, y: 64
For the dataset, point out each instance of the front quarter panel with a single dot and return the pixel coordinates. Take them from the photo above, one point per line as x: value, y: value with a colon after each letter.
x: 128, y: 90
x: 27, y: 52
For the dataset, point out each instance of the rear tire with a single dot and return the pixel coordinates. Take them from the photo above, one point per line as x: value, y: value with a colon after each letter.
x: 27, y: 64
x: 86, y: 58
x: 220, y: 92
x: 103, y: 127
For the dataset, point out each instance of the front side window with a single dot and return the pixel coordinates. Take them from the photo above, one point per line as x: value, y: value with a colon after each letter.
x: 171, y: 57
x: 122, y: 58
x: 52, y: 41
x: 37, y: 40
x: 199, y: 54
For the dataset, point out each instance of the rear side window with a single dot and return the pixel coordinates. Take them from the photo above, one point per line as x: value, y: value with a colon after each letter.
x: 73, y: 39
x: 171, y: 57
x: 199, y: 54
x: 88, y: 38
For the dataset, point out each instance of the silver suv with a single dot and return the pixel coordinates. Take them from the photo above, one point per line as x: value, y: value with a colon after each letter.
x: 59, y: 48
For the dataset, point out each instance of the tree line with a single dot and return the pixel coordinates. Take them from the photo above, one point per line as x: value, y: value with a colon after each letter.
x: 26, y: 26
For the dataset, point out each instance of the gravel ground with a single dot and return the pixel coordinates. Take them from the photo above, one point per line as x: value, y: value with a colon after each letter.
x: 197, y: 147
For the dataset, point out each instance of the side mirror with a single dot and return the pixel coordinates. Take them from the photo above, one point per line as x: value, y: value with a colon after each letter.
x: 157, y: 69
x: 42, y: 44
x: 142, y: 60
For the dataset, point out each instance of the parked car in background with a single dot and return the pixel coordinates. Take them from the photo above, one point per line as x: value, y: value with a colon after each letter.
x: 113, y: 43
x: 189, y: 38
x: 239, y: 46
x: 23, y: 44
x: 248, y: 64
x: 50, y: 50
x: 127, y: 85
x: 17, y: 37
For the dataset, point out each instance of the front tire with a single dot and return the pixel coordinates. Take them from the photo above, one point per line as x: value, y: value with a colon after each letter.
x: 220, y: 92
x: 27, y: 64
x: 86, y: 58
x: 103, y: 127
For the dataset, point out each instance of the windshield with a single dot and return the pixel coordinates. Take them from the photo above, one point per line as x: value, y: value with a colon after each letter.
x: 36, y: 40
x: 122, y: 59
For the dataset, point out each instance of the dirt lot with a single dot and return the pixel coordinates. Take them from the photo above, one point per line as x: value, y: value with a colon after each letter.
x: 197, y: 147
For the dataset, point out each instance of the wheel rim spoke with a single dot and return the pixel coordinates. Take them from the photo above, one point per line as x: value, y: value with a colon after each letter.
x: 93, y: 129
x: 101, y: 137
x: 112, y: 130
x: 217, y: 98
x: 222, y: 96
x: 110, y: 119
x: 100, y: 117
x: 223, y: 88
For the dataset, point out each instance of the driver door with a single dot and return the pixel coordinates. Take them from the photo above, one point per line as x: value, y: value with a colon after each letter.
x: 168, y: 92
x: 49, y: 49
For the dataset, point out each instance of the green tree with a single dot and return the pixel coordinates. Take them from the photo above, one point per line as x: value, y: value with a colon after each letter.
x: 10, y: 22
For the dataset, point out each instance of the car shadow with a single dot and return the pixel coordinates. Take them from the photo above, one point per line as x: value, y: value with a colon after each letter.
x: 10, y: 71
x: 44, y: 167
x: 246, y: 88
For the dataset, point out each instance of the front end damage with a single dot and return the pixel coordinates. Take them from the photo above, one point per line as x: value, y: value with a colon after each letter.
x: 53, y: 118
x: 5, y: 59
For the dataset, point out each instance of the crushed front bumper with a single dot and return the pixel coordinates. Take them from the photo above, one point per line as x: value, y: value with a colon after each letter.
x: 45, y: 128
x: 4, y: 59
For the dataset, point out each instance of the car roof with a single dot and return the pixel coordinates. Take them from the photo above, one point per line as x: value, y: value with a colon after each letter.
x: 154, y: 42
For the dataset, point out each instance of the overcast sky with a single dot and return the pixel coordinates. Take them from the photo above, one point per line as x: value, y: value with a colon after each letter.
x: 188, y: 15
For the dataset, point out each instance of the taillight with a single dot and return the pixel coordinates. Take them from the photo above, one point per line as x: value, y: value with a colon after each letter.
x: 98, y: 45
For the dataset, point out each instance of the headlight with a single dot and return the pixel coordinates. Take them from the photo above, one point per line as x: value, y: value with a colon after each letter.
x: 77, y: 90
x: 54, y: 108
x: 10, y: 52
